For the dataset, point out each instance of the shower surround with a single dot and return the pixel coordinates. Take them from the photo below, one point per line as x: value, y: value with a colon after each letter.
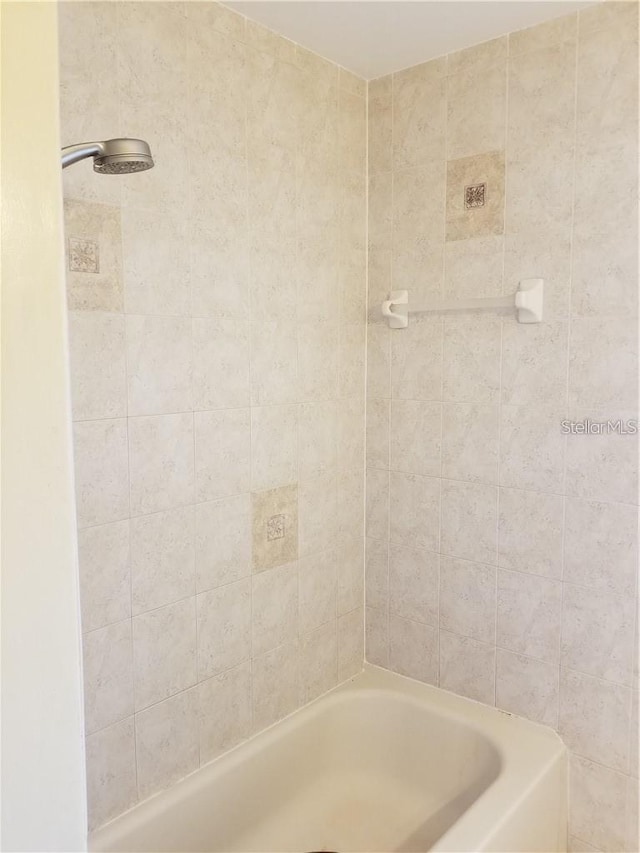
x: 218, y: 319
x: 501, y: 552
x: 217, y: 323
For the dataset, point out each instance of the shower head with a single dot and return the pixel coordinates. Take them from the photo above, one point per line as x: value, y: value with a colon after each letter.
x: 112, y: 157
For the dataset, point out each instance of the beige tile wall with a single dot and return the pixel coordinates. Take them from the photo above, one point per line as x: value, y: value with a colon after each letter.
x: 501, y: 554
x: 217, y: 314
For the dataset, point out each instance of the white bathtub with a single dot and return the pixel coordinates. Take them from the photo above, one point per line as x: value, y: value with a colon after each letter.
x: 381, y: 763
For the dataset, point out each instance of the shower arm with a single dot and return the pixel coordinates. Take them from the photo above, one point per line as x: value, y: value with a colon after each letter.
x: 74, y: 153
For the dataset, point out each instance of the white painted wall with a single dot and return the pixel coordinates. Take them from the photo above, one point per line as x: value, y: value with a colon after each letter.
x: 43, y: 780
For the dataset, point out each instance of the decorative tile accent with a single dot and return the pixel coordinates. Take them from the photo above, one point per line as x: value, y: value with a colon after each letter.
x: 95, y: 247
x: 84, y: 256
x: 474, y: 196
x: 275, y: 527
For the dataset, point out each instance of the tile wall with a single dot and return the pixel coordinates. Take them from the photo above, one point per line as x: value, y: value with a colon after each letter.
x: 217, y: 311
x: 501, y: 556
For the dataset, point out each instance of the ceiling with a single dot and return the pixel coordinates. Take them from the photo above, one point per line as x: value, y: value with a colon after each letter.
x: 373, y: 38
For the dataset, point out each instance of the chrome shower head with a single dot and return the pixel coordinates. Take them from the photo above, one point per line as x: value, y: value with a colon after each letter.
x: 112, y: 157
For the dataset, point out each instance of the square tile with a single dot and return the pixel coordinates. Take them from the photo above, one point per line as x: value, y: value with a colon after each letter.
x: 223, y: 453
x: 529, y: 615
x: 105, y: 584
x: 223, y: 541
x: 101, y: 471
x: 94, y: 256
x: 274, y: 597
x: 97, y: 365
x: 108, y: 675
x: 111, y: 772
x: 161, y: 462
x: 465, y: 222
x: 164, y: 652
x: 224, y: 711
x: 224, y: 627
x: 269, y: 552
x: 468, y: 599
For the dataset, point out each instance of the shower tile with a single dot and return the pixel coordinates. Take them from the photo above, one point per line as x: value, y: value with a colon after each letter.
x: 419, y: 114
x: 534, y: 365
x: 464, y: 223
x: 378, y: 362
x: 380, y: 259
x: 318, y: 361
x: 352, y: 132
x: 380, y: 125
x: 101, y: 471
x: 530, y: 531
x: 319, y: 661
x: 413, y: 584
x: 470, y: 442
x: 377, y: 504
x: 350, y: 591
x: 376, y: 573
x: 603, y: 467
x: 223, y: 541
x: 318, y: 514
x: 100, y: 224
x: 224, y: 711
x: 224, y: 627
x: 268, y: 552
x: 162, y: 559
x: 350, y: 504
x: 97, y: 365
x: 529, y: 615
x: 271, y: 100
x: 222, y: 453
x: 539, y: 36
x: 542, y: 103
x: 413, y: 649
x: 108, y: 675
x: 276, y: 688
x: 414, y: 511
x: 594, y: 718
x: 159, y: 365
x: 220, y: 364
x: 274, y: 446
x: 469, y: 521
x: 105, y: 585
x: 161, y: 462
x: 155, y: 255
x: 597, y: 633
x: 468, y: 599
x: 317, y: 578
x: 474, y: 268
x: 540, y: 189
x: 274, y: 363
x: 377, y: 636
x: 416, y: 428
x: 603, y: 365
x: 350, y: 82
x: 164, y: 652
x: 601, y: 546
x: 268, y: 41
x: 167, y: 746
x: 271, y: 189
x: 476, y: 106
x: 219, y: 266
x: 418, y: 203
x: 527, y: 687
x: 317, y: 276
x: 532, y: 448
x: 597, y: 804
x: 471, y: 361
x: 418, y: 266
x: 111, y: 772
x: 478, y: 58
x: 272, y: 278
x: 416, y: 361
x: 317, y: 440
x: 467, y: 667
x: 274, y: 603
x: 377, y: 437
x: 351, y: 433
x: 350, y: 643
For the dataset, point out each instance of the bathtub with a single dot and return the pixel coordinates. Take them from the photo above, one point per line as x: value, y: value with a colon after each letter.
x: 382, y: 763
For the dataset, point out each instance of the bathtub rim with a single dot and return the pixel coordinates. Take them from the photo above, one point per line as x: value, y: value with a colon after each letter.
x: 526, y: 751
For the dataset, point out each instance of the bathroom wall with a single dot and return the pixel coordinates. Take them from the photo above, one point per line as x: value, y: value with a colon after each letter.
x: 501, y: 553
x: 217, y: 309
